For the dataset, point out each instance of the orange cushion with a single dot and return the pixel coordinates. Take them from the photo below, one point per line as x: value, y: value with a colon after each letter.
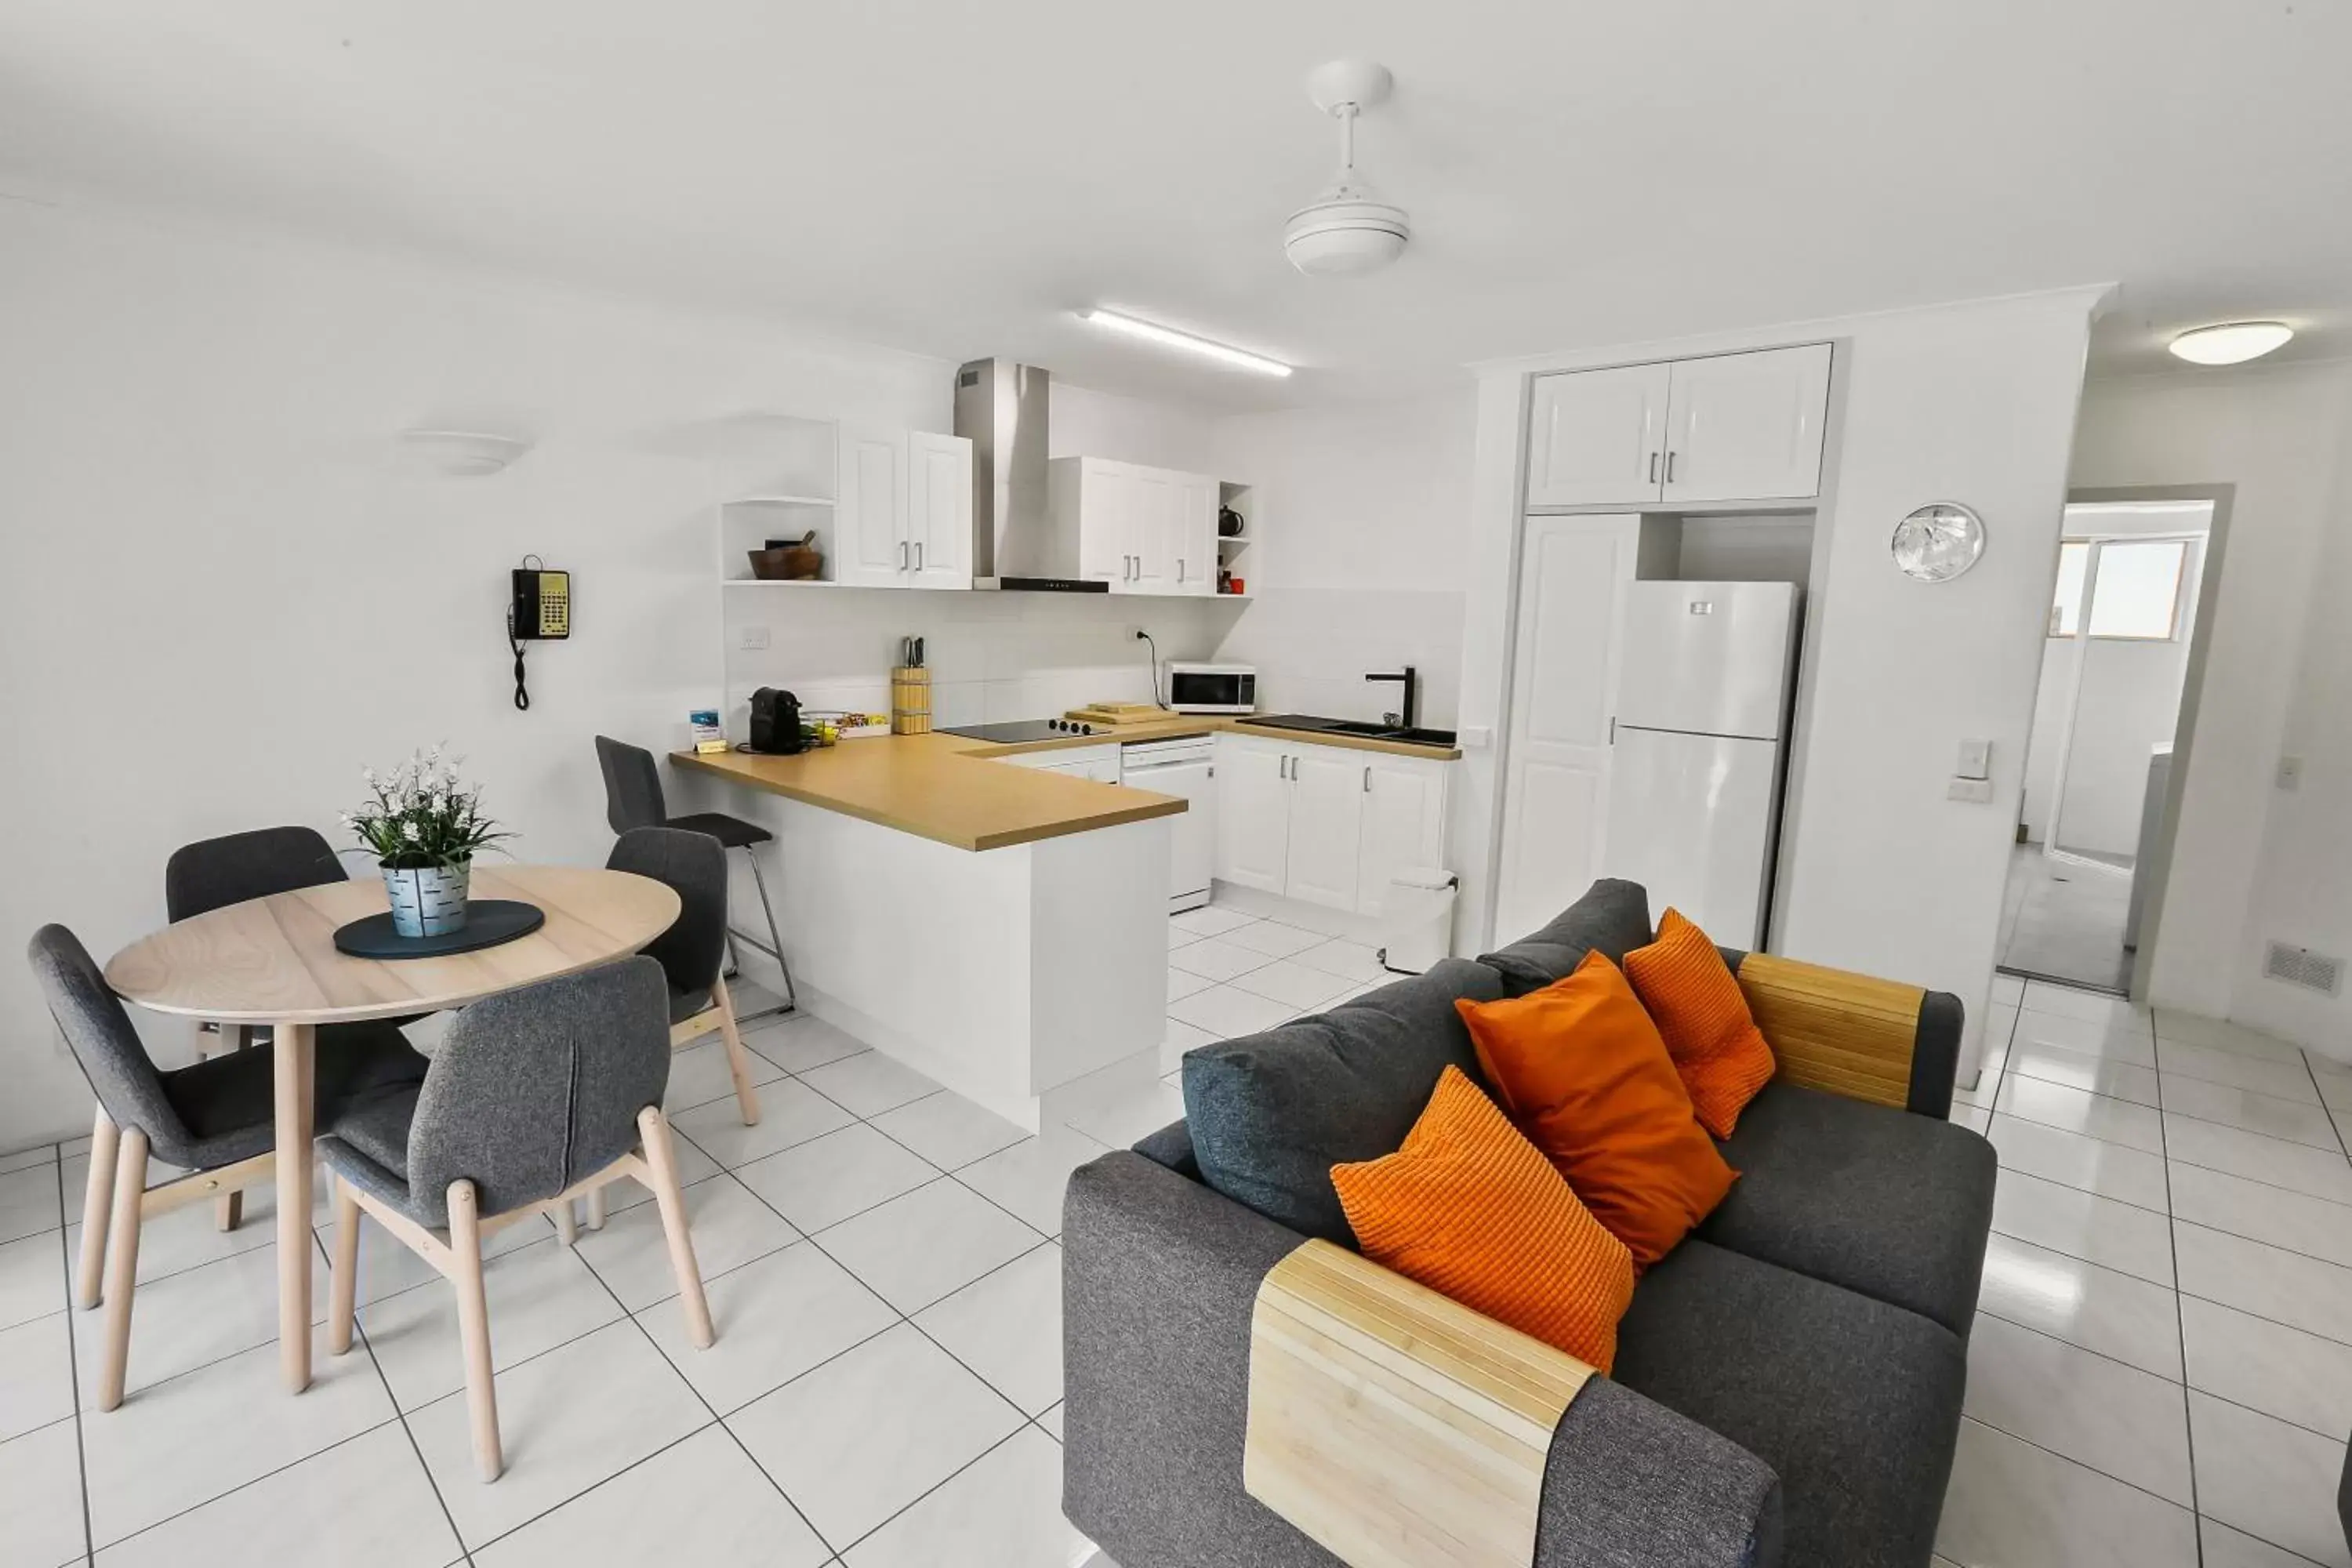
x: 1581, y: 1069
x: 1470, y: 1209
x: 1694, y: 999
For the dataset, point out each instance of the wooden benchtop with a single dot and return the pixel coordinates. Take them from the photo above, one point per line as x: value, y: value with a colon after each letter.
x: 944, y: 787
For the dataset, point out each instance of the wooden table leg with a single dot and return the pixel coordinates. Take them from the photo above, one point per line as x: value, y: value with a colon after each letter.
x: 295, y: 1064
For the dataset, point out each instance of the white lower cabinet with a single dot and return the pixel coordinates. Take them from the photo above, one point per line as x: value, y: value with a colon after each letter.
x: 1100, y: 763
x: 1325, y: 825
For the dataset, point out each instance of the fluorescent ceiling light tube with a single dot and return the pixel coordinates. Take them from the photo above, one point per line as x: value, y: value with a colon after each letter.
x: 1169, y: 337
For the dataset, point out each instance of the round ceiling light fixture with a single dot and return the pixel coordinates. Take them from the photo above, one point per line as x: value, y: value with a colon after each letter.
x: 2231, y: 343
x: 1347, y: 229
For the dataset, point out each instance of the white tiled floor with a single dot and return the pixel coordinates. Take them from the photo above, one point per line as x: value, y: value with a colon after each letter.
x: 2162, y: 1361
x: 888, y: 1377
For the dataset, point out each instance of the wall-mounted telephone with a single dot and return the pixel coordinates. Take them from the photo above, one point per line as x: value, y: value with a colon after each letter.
x: 540, y: 611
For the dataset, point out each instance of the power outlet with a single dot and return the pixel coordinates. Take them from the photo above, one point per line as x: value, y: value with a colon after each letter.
x: 750, y: 637
x: 2290, y: 773
x: 1977, y: 792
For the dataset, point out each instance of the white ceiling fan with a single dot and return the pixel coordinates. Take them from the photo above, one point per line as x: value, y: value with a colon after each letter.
x: 1348, y: 229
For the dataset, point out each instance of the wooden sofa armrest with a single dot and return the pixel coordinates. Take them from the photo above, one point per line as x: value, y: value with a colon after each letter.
x: 1394, y: 1425
x: 1854, y: 1035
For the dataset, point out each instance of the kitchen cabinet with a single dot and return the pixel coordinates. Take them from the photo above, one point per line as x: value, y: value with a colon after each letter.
x: 1325, y: 825
x: 1327, y: 814
x: 1100, y: 763
x: 1253, y: 812
x: 939, y: 510
x: 1574, y: 573
x: 1727, y: 427
x: 1403, y: 824
x: 903, y: 511
x: 1141, y: 529
x: 1597, y: 437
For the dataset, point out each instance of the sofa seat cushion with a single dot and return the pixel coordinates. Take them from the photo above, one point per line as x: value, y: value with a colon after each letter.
x: 1853, y: 1404
x: 1883, y: 1202
x: 1612, y: 917
x: 1270, y: 1114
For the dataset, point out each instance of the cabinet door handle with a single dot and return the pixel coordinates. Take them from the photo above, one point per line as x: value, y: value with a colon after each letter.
x: 1367, y: 780
x: 902, y: 556
x: 1180, y: 568
x: 1654, y: 468
x: 919, y: 555
x: 1670, y: 466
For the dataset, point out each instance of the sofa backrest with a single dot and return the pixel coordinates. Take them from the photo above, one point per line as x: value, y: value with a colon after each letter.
x: 1270, y: 1114
x: 1613, y: 915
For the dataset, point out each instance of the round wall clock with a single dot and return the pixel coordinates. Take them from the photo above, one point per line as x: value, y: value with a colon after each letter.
x: 1938, y: 541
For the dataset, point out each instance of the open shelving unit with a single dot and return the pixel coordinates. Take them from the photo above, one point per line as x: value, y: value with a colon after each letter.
x: 1233, y: 552
x: 776, y: 479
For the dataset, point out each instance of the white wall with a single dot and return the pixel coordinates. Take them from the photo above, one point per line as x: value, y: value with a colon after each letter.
x: 2252, y: 861
x: 1083, y: 423
x: 221, y: 596
x: 1365, y: 558
x: 1974, y: 402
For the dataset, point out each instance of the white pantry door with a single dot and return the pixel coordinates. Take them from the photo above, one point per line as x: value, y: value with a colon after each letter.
x: 1572, y: 576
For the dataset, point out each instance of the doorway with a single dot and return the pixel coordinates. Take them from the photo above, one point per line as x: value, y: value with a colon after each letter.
x: 2104, y: 760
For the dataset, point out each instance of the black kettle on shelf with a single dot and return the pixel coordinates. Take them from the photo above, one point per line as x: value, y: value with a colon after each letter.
x: 776, y: 723
x: 1229, y: 523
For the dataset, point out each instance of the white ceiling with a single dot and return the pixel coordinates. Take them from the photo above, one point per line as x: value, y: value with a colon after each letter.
x: 956, y: 178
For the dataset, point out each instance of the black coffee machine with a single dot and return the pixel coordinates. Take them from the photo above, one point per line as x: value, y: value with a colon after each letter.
x: 776, y: 722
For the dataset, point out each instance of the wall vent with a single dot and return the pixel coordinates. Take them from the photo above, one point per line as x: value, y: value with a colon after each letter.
x: 2301, y: 966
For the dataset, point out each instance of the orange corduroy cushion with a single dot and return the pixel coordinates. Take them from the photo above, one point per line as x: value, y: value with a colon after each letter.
x: 1469, y: 1209
x: 1580, y: 1068
x: 1694, y: 999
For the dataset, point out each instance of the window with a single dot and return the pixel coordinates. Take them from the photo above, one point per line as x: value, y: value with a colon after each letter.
x: 2136, y: 591
x: 2135, y: 588
x: 2066, y: 605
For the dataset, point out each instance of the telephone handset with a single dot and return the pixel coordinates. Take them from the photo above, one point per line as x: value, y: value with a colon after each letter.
x: 539, y: 611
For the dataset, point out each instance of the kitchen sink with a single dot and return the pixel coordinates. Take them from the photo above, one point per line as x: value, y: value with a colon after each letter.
x: 1362, y: 728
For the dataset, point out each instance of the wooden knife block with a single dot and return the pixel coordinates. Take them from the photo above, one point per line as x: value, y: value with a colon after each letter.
x: 910, y: 700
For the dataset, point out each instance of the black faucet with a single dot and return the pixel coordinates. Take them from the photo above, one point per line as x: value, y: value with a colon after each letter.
x: 1410, y: 682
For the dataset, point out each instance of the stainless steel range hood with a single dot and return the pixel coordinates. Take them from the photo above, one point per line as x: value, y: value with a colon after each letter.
x: 1003, y: 408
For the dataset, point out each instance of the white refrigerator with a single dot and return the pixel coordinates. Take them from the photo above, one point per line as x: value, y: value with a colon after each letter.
x: 1695, y: 774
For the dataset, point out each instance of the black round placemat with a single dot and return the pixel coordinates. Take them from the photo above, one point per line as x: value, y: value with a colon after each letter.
x: 488, y: 921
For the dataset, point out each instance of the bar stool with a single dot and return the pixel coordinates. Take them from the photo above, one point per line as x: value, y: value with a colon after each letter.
x: 633, y: 798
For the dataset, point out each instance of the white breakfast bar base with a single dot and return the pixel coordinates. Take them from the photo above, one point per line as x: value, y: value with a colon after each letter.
x: 1019, y: 977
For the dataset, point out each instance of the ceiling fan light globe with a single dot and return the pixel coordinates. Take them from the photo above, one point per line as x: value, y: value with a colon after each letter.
x: 1344, y: 236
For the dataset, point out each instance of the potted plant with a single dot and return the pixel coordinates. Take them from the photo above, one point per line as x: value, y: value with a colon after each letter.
x: 424, y: 827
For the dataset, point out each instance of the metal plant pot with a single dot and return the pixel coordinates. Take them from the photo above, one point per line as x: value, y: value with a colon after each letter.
x: 428, y: 900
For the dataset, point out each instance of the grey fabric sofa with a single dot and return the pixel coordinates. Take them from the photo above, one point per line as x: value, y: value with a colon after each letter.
x: 1788, y: 1381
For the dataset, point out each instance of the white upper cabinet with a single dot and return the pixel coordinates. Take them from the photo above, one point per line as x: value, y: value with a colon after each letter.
x: 870, y: 510
x: 1747, y: 427
x: 1196, y: 534
x: 1729, y: 427
x: 1141, y: 529
x: 903, y: 515
x: 939, y: 510
x: 1598, y: 438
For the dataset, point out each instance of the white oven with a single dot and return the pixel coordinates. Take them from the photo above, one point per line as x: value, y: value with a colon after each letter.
x: 1213, y: 688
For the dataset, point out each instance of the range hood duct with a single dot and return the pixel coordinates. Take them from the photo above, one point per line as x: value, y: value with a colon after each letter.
x: 1004, y: 409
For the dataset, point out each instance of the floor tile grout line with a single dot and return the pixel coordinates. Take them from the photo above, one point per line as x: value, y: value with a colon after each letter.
x: 2092, y: 1262
x: 918, y: 1500
x: 2107, y: 1357
x: 73, y: 1365
x: 824, y: 1541
x: 465, y: 1553
x: 2257, y: 1181
x: 2266, y: 1318
x: 2179, y: 1325
x: 2327, y: 1110
x: 2078, y: 1464
x: 256, y: 1480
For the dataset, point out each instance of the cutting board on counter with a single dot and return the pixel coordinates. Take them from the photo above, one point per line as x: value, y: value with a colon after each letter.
x: 1117, y: 713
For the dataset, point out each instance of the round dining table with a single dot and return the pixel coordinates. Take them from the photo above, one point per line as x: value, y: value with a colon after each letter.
x: 274, y: 962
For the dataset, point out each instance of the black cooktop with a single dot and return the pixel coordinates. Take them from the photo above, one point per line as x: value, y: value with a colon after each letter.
x: 1022, y: 730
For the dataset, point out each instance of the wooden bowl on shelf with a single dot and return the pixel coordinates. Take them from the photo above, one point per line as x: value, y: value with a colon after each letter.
x: 787, y: 559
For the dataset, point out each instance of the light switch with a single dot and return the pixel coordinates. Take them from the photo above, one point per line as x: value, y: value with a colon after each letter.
x: 750, y: 637
x: 1978, y: 791
x: 1475, y: 735
x: 1975, y: 760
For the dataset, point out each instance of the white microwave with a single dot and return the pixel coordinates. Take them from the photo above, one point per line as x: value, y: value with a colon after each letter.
x: 1213, y: 688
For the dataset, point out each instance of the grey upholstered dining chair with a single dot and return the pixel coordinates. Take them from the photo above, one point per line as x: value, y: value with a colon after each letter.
x: 693, y: 951
x: 213, y: 873
x: 633, y: 798
x: 214, y: 1119
x: 535, y: 1097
